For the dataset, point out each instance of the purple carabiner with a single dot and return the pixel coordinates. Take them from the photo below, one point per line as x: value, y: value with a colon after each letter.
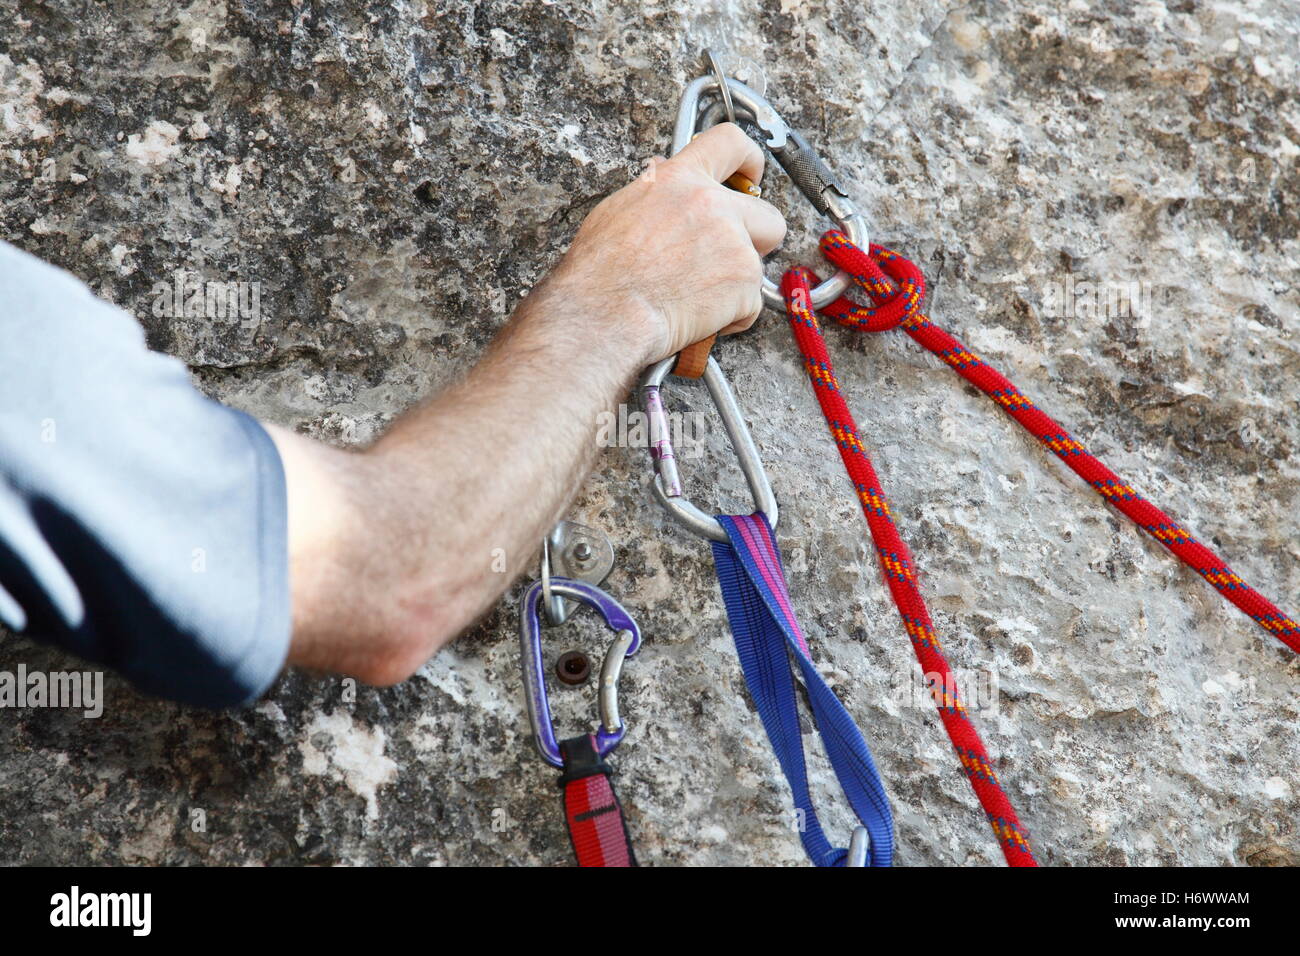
x: 611, y: 729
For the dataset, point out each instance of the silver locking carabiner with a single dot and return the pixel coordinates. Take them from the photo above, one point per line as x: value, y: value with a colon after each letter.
x: 795, y: 156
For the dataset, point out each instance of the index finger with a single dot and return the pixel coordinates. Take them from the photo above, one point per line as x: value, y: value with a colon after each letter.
x: 722, y: 150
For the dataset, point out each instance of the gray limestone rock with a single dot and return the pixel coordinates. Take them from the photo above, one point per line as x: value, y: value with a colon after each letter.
x: 395, y: 176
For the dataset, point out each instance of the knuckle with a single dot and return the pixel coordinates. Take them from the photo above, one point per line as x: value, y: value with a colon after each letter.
x: 744, y: 266
x: 670, y: 171
x: 708, y: 200
x: 733, y: 132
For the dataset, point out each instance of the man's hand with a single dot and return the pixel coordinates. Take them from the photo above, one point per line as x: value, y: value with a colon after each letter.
x: 396, y: 549
x: 681, y: 244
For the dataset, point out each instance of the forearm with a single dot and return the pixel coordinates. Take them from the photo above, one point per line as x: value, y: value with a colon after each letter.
x: 491, y: 464
x: 440, y: 515
x: 395, y: 550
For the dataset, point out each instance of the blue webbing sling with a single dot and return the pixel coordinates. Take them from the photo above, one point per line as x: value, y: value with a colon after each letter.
x: 766, y: 633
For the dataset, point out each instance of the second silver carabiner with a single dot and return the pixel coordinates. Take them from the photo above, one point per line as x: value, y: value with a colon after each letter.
x: 667, y: 485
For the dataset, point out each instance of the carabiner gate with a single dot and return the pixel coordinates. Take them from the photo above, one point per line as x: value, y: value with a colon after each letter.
x: 667, y: 485
x: 796, y: 157
x: 627, y: 643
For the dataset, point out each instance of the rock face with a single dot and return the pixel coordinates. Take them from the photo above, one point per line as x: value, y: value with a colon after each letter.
x: 395, y: 176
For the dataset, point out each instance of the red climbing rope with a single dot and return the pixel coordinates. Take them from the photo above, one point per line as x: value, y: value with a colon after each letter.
x: 987, y: 379
x: 900, y: 571
x: 899, y: 302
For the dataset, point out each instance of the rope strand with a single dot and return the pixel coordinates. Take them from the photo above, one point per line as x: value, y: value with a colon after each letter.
x: 875, y: 280
x: 900, y: 573
x: 897, y: 289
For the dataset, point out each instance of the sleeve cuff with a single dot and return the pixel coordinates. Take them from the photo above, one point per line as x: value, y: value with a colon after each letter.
x: 262, y: 663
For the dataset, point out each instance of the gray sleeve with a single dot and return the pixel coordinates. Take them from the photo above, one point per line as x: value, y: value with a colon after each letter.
x: 142, y: 526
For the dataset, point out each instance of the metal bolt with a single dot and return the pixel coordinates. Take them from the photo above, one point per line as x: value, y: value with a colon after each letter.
x: 582, y: 552
x: 573, y: 668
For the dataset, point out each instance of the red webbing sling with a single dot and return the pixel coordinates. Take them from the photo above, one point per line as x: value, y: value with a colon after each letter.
x: 591, y: 809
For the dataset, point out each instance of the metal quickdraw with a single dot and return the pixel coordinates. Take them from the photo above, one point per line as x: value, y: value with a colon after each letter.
x: 750, y: 573
x: 748, y: 563
x: 767, y: 634
x: 591, y: 809
x: 737, y: 103
x: 667, y: 485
